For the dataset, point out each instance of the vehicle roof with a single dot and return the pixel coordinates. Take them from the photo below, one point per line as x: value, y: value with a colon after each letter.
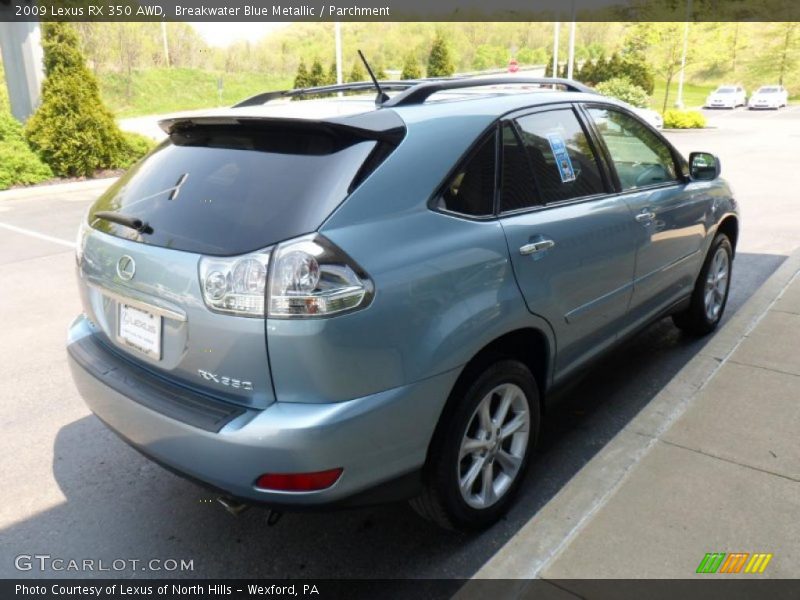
x: 487, y: 103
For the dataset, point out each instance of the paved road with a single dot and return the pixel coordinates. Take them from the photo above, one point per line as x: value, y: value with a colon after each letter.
x: 72, y: 490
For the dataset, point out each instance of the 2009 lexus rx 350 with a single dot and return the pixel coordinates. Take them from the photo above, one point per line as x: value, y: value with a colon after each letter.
x: 338, y: 300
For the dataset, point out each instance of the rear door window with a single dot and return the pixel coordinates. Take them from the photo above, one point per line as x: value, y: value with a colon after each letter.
x: 563, y: 161
x: 232, y: 189
x: 640, y: 157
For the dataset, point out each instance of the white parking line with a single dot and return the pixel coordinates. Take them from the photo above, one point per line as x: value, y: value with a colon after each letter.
x: 36, y: 234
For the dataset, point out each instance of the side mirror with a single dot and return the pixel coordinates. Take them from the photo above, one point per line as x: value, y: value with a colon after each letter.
x: 704, y: 166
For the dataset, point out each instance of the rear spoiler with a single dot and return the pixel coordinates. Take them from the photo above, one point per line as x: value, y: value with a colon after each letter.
x: 381, y: 125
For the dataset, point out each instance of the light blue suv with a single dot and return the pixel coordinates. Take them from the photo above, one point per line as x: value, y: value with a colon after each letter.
x: 340, y: 301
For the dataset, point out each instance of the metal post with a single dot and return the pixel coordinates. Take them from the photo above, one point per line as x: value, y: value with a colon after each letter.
x: 571, y: 60
x: 556, y: 27
x: 679, y: 101
x: 20, y: 45
x: 164, y: 39
x: 338, y: 32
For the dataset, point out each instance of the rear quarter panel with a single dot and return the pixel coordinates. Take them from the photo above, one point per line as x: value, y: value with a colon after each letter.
x: 444, y: 285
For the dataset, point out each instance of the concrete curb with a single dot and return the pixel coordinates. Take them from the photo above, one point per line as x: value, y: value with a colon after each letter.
x: 57, y: 188
x: 551, y: 530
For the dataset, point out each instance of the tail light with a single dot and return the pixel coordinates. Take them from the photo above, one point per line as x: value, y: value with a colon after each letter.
x: 308, y: 277
x: 235, y: 285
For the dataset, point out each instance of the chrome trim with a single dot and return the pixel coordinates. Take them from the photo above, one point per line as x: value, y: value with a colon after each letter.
x: 126, y: 267
x: 535, y: 247
x: 141, y: 304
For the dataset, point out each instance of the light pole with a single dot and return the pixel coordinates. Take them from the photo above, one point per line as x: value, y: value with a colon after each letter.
x: 556, y: 27
x: 337, y: 29
x: 164, y: 40
x: 679, y: 101
x: 571, y: 60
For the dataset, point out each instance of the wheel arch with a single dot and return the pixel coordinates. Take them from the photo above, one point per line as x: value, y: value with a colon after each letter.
x: 529, y: 345
x: 729, y: 225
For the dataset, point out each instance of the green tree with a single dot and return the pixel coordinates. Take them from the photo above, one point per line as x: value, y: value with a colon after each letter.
x: 411, y: 68
x: 440, y: 64
x: 301, y: 78
x: 331, y: 78
x: 357, y: 73
x: 72, y: 130
x: 316, y: 75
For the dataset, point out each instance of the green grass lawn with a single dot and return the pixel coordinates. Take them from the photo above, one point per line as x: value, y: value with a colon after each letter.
x: 694, y: 96
x: 158, y: 91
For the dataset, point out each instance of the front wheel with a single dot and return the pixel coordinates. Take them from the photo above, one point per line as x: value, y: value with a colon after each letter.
x: 479, y: 455
x: 710, y: 293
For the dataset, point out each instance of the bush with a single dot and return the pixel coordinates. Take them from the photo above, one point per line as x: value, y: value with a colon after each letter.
x: 684, y: 119
x: 19, y: 165
x: 622, y: 89
x: 72, y: 130
x: 139, y: 146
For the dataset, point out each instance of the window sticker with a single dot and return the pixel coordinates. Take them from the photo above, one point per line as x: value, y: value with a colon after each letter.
x: 561, y: 157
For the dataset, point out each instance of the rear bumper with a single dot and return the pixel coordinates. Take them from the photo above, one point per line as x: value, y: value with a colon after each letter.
x: 375, y: 439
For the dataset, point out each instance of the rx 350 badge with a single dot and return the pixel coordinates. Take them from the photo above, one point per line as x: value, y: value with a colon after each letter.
x: 226, y: 381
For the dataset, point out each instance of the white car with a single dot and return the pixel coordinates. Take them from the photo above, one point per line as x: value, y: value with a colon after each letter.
x: 727, y: 96
x: 654, y: 118
x: 769, y: 96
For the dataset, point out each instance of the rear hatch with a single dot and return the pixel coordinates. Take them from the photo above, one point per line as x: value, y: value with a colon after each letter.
x: 215, y: 188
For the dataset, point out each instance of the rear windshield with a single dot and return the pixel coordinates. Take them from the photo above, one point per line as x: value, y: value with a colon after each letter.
x: 226, y: 190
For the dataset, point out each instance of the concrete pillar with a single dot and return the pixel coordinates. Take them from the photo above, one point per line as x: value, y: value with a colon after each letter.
x: 21, y: 48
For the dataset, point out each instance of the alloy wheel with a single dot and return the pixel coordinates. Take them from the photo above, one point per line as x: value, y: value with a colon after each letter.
x: 716, y: 286
x: 493, y: 446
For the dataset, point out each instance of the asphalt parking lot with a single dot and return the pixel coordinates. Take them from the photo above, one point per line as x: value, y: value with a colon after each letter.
x: 73, y: 490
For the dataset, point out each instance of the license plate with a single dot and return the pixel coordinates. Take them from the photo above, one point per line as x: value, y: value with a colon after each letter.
x: 140, y: 330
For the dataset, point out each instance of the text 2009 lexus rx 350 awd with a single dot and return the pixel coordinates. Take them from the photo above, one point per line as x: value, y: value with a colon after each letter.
x: 338, y: 300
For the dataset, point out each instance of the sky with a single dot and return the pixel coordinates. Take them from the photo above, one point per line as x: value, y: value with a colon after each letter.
x: 224, y: 34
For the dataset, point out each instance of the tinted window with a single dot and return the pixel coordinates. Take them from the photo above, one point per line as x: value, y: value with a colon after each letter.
x: 518, y: 186
x: 471, y: 190
x: 640, y: 157
x: 240, y: 189
x: 563, y: 162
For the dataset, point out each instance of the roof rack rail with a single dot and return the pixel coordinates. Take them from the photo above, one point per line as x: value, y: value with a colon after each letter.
x: 424, y: 89
x: 366, y: 86
x: 414, y: 91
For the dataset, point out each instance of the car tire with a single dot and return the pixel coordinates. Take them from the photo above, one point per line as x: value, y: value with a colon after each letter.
x: 711, y: 289
x: 492, y: 470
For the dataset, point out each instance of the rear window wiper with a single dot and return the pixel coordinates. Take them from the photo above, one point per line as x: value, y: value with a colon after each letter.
x: 124, y: 220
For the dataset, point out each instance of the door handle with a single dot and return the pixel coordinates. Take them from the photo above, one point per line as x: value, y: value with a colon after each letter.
x: 645, y: 216
x: 535, y: 247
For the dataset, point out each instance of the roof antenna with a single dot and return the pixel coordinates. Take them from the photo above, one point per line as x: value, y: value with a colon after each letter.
x: 381, y: 97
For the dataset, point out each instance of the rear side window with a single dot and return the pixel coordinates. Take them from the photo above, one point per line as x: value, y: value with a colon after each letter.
x: 470, y: 191
x: 564, y: 164
x: 231, y: 189
x: 518, y: 189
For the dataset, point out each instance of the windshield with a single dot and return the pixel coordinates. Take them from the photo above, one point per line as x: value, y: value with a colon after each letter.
x: 767, y: 90
x: 725, y: 90
x: 226, y: 190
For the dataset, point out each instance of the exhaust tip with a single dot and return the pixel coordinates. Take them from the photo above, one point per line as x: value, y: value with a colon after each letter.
x: 233, y: 507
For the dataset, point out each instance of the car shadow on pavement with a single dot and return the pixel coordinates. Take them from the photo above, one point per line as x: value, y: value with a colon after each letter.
x: 121, y: 506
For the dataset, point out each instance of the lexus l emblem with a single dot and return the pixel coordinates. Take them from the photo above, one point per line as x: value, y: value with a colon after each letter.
x: 126, y: 268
